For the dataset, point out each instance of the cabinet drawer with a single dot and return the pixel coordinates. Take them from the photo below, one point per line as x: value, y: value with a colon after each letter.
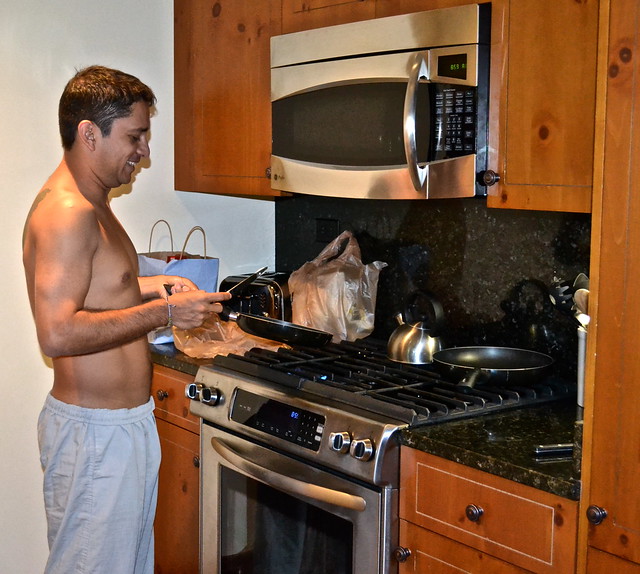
x: 524, y: 526
x: 167, y: 388
x: 436, y: 554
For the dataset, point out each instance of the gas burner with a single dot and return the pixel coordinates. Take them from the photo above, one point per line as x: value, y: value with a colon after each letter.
x: 361, y: 375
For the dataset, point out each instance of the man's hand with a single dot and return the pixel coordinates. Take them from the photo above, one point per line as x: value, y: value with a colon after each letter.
x: 154, y: 286
x: 192, y: 307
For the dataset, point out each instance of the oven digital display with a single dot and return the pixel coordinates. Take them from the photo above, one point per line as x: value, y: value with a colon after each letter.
x: 453, y: 66
x: 298, y: 426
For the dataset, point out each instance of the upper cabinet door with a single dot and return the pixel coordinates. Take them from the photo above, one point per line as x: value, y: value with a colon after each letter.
x: 308, y: 14
x: 222, y: 95
x: 544, y: 85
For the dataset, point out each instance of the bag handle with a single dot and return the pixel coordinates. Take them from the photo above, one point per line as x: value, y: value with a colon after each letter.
x: 154, y: 226
x: 204, y: 240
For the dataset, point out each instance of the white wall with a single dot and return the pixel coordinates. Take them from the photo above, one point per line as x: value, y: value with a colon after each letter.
x: 42, y: 43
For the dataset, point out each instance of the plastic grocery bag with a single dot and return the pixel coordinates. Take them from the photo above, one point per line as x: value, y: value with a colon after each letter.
x: 336, y: 292
x: 217, y: 337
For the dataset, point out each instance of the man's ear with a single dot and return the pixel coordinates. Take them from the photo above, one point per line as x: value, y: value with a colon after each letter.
x: 86, y: 134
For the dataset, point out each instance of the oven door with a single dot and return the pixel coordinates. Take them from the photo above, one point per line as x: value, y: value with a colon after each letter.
x: 264, y: 512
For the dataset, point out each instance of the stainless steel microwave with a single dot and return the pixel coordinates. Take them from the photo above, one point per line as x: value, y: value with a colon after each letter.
x: 389, y: 108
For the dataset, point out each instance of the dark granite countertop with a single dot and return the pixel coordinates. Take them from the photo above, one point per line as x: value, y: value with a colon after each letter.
x: 501, y: 444
x: 168, y: 356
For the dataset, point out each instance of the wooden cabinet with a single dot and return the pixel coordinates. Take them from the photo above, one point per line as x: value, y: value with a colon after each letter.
x: 177, y: 522
x: 542, y: 93
x: 222, y: 95
x: 612, y: 464
x: 477, y: 522
x: 542, y: 109
x: 545, y: 118
x: 308, y: 14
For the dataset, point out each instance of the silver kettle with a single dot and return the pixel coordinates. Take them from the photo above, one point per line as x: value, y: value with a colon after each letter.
x: 415, y: 342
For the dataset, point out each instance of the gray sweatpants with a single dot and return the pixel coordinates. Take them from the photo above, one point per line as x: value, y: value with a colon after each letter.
x: 100, y: 487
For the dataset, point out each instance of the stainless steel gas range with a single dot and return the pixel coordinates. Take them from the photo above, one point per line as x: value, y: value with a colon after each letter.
x: 300, y: 454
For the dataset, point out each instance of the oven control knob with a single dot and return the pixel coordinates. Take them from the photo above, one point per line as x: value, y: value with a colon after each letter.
x: 362, y: 449
x: 192, y: 391
x: 210, y: 396
x: 340, y: 442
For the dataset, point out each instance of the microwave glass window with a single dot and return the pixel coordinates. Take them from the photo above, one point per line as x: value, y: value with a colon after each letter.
x: 350, y: 125
x: 264, y: 531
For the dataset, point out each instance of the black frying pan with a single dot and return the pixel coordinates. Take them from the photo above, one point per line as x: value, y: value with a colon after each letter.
x: 277, y: 330
x: 498, y: 365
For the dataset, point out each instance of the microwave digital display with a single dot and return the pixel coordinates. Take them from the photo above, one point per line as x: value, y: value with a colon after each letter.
x: 453, y: 66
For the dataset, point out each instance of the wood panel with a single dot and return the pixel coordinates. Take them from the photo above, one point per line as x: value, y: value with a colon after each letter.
x: 547, y: 109
x: 601, y: 562
x: 300, y: 15
x: 177, y: 514
x: 439, y: 555
x: 177, y: 517
x: 435, y: 493
x: 174, y: 407
x: 613, y: 392
x: 222, y: 95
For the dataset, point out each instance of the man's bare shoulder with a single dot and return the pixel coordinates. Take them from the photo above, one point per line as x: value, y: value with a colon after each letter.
x: 59, y: 211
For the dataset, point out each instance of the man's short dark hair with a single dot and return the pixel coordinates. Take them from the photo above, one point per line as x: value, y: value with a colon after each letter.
x: 100, y: 95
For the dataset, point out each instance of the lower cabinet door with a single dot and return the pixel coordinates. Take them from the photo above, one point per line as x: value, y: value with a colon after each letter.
x: 598, y: 562
x: 436, y: 554
x: 176, y: 524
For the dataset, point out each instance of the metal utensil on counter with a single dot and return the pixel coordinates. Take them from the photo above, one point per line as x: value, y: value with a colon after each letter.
x: 581, y: 298
x: 581, y: 282
x: 561, y: 295
x: 553, y: 452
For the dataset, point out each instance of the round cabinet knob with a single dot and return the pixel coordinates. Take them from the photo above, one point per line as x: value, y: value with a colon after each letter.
x: 192, y: 391
x: 490, y: 178
x: 340, y: 442
x: 210, y: 396
x: 162, y: 395
x: 401, y: 554
x: 361, y: 449
x: 596, y: 514
x: 473, y: 512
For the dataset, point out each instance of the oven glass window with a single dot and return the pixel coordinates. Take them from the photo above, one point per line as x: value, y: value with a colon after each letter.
x: 349, y: 125
x: 264, y: 531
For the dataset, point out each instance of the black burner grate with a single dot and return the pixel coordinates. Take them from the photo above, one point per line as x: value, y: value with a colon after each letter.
x: 360, y: 374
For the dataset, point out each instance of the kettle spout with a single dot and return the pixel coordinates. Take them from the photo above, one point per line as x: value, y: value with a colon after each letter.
x: 399, y: 318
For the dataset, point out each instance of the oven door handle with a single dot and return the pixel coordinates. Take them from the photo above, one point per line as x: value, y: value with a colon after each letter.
x: 286, y: 483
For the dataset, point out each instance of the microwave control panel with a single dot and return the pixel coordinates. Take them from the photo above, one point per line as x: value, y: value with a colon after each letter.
x: 455, y: 120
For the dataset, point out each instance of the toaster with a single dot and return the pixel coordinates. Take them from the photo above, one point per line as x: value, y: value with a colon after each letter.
x: 267, y: 296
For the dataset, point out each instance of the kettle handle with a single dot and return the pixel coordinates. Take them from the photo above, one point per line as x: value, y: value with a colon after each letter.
x: 432, y: 314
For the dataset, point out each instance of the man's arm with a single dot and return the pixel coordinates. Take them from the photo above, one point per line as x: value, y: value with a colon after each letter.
x: 59, y: 259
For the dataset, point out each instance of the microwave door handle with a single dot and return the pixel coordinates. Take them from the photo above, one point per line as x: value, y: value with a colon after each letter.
x: 418, y: 174
x: 286, y: 483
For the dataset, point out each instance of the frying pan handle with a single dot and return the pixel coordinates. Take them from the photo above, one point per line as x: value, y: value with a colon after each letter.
x: 474, y: 377
x: 228, y: 314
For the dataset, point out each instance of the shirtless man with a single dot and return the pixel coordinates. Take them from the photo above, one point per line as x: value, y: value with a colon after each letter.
x: 98, y: 441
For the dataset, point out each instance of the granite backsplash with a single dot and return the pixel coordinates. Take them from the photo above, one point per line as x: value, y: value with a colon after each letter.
x: 490, y: 269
